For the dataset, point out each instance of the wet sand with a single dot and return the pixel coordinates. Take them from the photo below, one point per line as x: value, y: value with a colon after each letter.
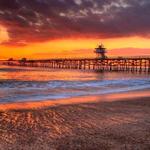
x: 95, y: 125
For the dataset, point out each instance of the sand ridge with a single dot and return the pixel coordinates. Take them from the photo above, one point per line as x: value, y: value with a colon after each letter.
x: 87, y: 126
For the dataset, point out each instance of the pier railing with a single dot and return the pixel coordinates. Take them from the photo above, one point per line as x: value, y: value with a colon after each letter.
x: 133, y: 64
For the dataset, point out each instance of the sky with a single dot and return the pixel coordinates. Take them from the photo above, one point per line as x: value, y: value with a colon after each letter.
x: 73, y: 28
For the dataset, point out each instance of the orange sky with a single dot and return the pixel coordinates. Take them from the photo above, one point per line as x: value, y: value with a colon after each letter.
x: 57, y: 29
x: 76, y: 48
x: 73, y: 47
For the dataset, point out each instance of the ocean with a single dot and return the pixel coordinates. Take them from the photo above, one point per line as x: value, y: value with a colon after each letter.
x: 21, y: 84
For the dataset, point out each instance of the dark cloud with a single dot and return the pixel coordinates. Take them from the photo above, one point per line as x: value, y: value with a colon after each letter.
x: 40, y: 20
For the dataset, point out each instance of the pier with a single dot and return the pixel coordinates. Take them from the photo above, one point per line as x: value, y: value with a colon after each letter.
x: 108, y: 64
x: 100, y: 63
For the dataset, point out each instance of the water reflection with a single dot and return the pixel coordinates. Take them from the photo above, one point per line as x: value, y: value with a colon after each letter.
x: 40, y: 74
x: 76, y: 100
x: 20, y: 84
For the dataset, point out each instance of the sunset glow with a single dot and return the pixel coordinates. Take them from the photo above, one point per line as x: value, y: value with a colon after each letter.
x: 3, y: 34
x: 62, y: 29
x: 77, y: 48
x: 74, y: 74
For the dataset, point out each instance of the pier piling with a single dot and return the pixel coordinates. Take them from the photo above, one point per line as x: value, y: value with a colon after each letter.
x: 107, y: 64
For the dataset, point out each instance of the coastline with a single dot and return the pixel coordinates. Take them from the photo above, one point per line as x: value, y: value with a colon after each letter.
x: 107, y: 123
x: 75, y: 100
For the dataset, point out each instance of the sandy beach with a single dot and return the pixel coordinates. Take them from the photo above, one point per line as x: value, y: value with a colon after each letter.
x: 74, y: 75
x: 96, y: 125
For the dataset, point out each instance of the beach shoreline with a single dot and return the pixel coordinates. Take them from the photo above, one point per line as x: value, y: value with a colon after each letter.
x: 41, y: 104
x: 96, y: 124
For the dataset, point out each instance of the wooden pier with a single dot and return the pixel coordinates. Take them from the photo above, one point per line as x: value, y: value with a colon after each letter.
x: 135, y: 64
x: 101, y: 63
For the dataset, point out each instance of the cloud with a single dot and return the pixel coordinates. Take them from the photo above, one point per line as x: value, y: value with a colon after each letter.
x: 41, y: 20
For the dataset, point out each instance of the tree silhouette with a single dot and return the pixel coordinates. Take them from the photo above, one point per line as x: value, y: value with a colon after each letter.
x: 22, y: 61
x: 10, y: 59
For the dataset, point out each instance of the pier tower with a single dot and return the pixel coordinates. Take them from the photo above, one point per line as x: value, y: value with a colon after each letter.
x: 101, y: 52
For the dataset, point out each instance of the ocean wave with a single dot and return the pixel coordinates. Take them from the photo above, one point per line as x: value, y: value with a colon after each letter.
x: 24, y: 84
x: 72, y: 84
x: 30, y: 90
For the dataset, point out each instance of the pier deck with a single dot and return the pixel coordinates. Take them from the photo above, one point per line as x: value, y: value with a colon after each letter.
x: 134, y: 64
